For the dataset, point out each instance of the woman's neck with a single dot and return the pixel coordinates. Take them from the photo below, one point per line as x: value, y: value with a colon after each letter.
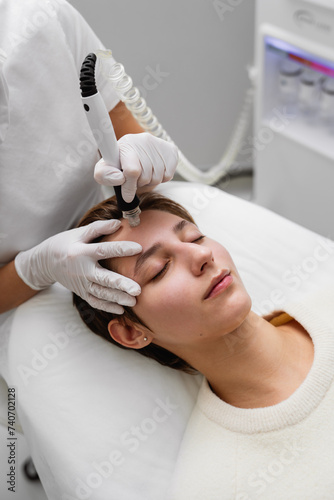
x: 258, y: 364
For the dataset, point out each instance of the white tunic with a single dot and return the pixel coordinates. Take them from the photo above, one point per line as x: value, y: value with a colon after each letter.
x: 47, y: 152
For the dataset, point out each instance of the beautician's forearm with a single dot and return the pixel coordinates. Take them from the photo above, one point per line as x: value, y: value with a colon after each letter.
x: 13, y: 291
x: 123, y: 121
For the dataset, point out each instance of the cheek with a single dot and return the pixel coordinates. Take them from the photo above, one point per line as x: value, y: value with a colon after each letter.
x: 221, y: 254
x: 164, y: 304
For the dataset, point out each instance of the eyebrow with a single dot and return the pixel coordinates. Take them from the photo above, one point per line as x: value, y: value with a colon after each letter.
x: 154, y: 248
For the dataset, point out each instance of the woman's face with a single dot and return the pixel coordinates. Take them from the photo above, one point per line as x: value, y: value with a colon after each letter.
x: 176, y: 270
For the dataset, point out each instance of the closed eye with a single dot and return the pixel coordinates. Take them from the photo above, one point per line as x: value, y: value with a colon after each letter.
x: 198, y: 239
x: 164, y: 269
x: 161, y: 273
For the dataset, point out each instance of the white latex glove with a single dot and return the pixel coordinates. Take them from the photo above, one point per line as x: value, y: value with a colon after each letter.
x: 71, y: 260
x: 145, y: 161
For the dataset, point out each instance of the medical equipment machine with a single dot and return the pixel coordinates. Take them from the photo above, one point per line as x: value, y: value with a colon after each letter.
x: 293, y: 143
x: 103, y: 132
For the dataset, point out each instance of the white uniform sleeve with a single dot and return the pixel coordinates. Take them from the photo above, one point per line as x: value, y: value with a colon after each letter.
x: 82, y: 40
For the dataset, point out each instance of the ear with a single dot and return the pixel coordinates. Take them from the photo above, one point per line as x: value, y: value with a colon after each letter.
x: 133, y: 336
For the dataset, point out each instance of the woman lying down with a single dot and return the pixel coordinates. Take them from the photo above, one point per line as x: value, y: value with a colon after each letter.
x: 263, y: 425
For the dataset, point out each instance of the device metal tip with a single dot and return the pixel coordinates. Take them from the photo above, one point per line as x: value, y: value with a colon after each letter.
x: 133, y: 217
x: 134, y: 220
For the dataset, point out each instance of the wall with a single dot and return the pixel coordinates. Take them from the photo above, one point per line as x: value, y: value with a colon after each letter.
x: 200, y: 50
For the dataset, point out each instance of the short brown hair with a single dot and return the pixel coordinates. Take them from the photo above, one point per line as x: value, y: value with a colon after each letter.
x: 98, y: 320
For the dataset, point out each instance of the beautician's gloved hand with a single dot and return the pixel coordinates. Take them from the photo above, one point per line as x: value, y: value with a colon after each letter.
x: 145, y: 160
x: 71, y: 260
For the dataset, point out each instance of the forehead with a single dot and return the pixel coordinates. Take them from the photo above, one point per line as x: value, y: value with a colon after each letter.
x: 154, y: 226
x: 153, y: 223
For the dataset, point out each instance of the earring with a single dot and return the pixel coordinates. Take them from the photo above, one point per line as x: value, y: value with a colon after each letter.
x: 145, y: 339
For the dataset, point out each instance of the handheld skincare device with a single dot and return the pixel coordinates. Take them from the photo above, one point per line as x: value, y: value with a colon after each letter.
x: 102, y: 129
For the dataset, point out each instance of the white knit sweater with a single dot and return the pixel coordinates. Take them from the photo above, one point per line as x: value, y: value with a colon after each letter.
x: 280, y: 452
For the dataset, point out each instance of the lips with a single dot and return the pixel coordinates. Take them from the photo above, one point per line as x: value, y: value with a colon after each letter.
x: 218, y: 282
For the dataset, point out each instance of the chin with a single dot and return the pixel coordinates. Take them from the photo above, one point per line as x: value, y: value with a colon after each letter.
x: 238, y: 308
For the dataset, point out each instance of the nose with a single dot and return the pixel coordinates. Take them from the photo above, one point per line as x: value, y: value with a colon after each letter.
x: 200, y: 258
